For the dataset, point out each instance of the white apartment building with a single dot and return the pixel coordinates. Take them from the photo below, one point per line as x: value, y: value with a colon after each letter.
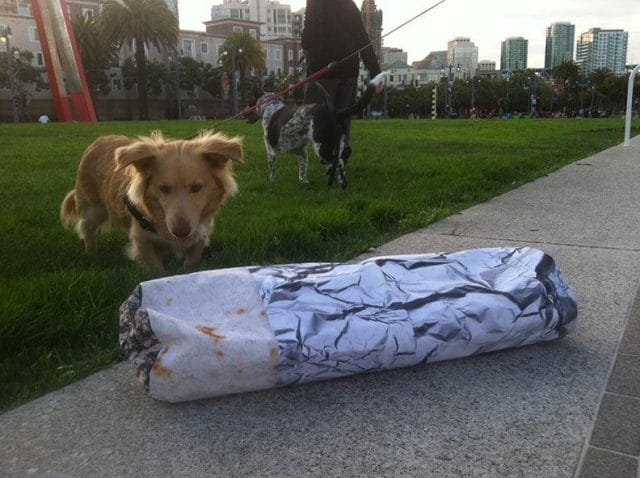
x: 597, y: 49
x: 486, y: 65
x: 275, y: 18
x: 393, y: 55
x: 462, y: 55
x: 401, y: 75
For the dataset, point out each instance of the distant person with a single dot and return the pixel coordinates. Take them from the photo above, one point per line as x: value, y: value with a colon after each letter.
x: 333, y: 31
x: 44, y: 119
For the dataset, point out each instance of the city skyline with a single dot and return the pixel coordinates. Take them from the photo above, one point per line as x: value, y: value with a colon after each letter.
x: 487, y: 24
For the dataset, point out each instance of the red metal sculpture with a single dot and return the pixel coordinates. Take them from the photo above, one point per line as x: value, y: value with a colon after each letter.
x: 71, y: 98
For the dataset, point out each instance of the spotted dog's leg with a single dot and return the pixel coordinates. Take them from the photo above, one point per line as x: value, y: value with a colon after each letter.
x: 303, y: 161
x: 340, y: 174
x: 345, y: 153
x: 336, y: 174
x: 271, y: 160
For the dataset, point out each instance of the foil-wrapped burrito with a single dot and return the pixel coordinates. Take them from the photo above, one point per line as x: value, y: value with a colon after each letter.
x: 241, y: 329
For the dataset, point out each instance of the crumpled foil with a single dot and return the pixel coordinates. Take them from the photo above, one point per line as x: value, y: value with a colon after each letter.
x: 333, y: 320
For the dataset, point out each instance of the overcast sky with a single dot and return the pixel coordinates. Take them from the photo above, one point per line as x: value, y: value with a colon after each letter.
x: 487, y: 23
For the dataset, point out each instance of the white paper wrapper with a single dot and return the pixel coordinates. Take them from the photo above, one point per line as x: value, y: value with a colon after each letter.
x: 235, y: 330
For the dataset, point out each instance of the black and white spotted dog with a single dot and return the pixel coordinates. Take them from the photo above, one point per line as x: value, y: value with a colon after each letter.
x: 291, y: 129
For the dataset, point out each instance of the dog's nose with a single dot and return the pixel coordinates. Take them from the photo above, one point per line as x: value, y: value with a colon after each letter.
x: 181, y: 229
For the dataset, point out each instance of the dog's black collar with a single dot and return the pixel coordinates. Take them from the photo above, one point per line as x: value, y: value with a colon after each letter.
x: 143, y: 220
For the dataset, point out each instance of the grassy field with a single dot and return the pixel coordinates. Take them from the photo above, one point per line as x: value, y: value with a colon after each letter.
x: 58, y: 308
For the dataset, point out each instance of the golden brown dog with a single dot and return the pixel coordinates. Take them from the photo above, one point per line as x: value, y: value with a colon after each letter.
x: 165, y: 193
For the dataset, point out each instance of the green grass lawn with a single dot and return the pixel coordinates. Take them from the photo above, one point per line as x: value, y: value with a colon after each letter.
x: 59, y: 308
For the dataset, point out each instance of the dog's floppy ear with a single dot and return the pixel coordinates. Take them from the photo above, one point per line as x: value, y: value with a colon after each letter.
x: 140, y: 154
x: 218, y: 149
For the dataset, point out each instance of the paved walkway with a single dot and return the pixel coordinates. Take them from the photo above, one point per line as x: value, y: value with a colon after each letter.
x: 561, y: 409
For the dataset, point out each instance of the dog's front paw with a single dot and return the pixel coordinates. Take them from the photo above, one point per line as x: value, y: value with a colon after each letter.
x: 336, y: 175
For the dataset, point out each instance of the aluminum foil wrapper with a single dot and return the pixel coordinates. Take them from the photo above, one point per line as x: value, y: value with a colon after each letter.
x: 234, y: 330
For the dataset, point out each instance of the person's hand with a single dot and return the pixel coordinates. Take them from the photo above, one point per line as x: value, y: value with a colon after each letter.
x: 379, y: 88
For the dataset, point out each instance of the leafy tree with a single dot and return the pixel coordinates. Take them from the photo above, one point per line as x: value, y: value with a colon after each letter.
x: 565, y: 76
x: 615, y: 91
x: 488, y: 92
x: 602, y: 83
x: 599, y: 77
x: 566, y: 72
x: 249, y: 57
x: 23, y: 70
x: 26, y: 77
x: 212, y: 80
x: 155, y: 73
x: 404, y: 102
x: 140, y: 23
x: 191, y: 74
x: 96, y: 53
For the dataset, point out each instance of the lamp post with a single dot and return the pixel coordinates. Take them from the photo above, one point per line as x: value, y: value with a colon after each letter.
x: 385, y: 108
x: 535, y: 107
x: 236, y: 79
x: 507, y: 103
x: 473, y: 97
x: 449, y: 96
x: 529, y: 93
x: 177, y: 66
x: 5, y: 36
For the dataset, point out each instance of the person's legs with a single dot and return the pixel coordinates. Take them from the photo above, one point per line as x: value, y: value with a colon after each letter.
x: 344, y: 97
x: 340, y: 92
x: 321, y: 91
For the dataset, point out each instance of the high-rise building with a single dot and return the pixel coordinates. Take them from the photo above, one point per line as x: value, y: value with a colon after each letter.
x: 275, y: 17
x: 372, y: 19
x: 597, y: 49
x: 392, y: 55
x: 462, y: 54
x: 559, y: 44
x: 514, y: 54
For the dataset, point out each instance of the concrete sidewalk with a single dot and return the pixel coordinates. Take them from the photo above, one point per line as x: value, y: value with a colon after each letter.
x: 561, y: 409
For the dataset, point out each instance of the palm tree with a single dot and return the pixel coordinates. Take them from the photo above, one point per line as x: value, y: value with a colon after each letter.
x: 97, y: 55
x: 566, y: 71
x: 140, y: 23
x: 565, y: 75
x: 248, y: 55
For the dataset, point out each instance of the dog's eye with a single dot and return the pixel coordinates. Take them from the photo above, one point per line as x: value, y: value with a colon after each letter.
x: 195, y: 188
x: 164, y: 189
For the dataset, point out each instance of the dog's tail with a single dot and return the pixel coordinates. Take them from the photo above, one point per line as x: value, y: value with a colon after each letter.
x: 364, y: 99
x: 69, y: 210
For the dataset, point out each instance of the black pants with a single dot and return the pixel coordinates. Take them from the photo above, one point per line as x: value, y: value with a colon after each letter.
x: 341, y: 93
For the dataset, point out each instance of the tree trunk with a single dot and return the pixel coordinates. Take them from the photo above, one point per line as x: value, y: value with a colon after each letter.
x: 141, y: 80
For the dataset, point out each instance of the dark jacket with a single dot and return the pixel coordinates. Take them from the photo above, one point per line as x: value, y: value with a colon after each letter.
x: 333, y: 30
